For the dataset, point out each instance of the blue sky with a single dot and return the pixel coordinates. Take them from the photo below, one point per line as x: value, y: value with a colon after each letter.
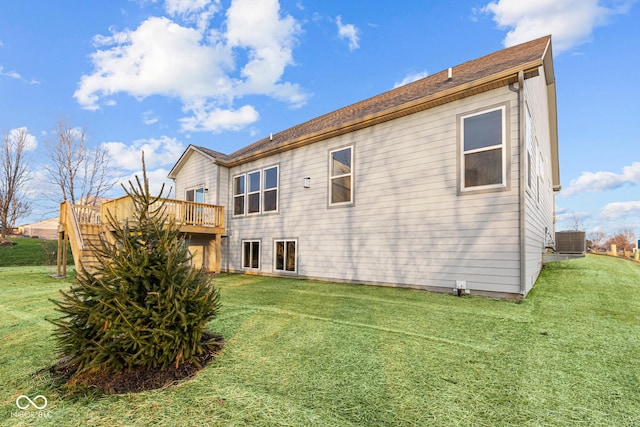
x: 160, y: 75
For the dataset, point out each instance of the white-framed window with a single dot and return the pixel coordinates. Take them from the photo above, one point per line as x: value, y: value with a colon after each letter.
x: 341, y: 176
x: 285, y: 258
x: 483, y: 149
x: 270, y: 189
x: 238, y: 195
x: 253, y: 193
x: 256, y: 191
x: 193, y: 214
x: 195, y: 194
x: 251, y: 254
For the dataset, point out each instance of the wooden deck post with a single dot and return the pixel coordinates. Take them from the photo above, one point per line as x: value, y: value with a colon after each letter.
x: 213, y: 254
x: 218, y: 249
x: 65, y: 249
x: 59, y: 257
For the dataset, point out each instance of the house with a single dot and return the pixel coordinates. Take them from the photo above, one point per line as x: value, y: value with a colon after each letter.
x: 444, y: 183
x: 447, y: 183
x: 47, y: 229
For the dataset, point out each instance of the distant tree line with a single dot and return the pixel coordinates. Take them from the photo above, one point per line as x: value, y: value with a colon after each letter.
x: 624, y: 240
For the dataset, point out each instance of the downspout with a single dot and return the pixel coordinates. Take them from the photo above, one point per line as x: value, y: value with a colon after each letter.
x: 521, y: 187
x: 228, y: 215
x: 523, y: 183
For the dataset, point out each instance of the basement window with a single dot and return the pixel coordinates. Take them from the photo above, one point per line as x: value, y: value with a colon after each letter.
x: 285, y: 256
x: 251, y: 254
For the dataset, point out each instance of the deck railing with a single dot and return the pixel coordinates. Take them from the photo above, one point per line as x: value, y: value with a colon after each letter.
x: 192, y: 217
x: 87, y: 214
x: 180, y: 211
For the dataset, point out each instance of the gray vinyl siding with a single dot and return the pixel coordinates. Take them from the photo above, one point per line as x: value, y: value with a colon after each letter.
x: 408, y: 225
x: 199, y: 171
x: 539, y: 200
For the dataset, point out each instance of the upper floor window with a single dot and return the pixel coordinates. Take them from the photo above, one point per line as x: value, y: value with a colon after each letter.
x: 341, y: 176
x: 256, y: 192
x: 194, y: 213
x: 195, y: 195
x: 238, y: 195
x: 270, y: 189
x: 483, y: 149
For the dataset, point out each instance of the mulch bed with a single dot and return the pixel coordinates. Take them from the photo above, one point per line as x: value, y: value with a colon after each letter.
x: 4, y: 242
x: 136, y: 379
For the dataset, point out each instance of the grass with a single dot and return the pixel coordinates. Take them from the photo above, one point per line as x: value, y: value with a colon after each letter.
x: 303, y: 353
x: 30, y: 252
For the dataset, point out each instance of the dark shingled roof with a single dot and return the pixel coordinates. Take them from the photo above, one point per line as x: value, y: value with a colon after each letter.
x: 524, y: 57
x: 215, y: 154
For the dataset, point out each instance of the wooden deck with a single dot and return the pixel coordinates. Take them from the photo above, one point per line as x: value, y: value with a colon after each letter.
x: 81, y: 227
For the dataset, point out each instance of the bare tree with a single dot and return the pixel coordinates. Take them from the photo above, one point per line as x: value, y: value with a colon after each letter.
x: 628, y: 238
x: 14, y: 203
x: 81, y: 173
x: 624, y: 239
x: 597, y: 238
x: 577, y: 222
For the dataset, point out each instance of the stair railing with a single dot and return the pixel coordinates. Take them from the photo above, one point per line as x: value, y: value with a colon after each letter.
x: 71, y: 230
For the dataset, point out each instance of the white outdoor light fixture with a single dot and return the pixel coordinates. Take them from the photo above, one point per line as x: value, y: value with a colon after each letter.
x: 306, y: 183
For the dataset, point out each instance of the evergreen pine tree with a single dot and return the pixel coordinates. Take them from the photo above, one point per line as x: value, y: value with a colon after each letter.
x: 144, y: 306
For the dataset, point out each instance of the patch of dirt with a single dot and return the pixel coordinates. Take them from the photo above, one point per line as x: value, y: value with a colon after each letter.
x: 5, y: 242
x: 136, y: 379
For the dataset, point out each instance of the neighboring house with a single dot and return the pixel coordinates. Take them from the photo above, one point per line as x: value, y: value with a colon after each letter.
x: 47, y: 229
x: 448, y: 181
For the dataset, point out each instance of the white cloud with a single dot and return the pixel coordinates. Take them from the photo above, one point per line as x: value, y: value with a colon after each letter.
x: 10, y: 74
x: 269, y: 40
x: 620, y: 210
x: 218, y: 120
x: 604, y: 180
x: 30, y: 141
x: 197, y: 11
x: 573, y: 216
x: 149, y: 117
x: 196, y: 65
x: 570, y: 22
x: 349, y: 32
x: 573, y: 220
x: 157, y: 152
x: 15, y: 75
x: 410, y: 78
x: 156, y: 178
x: 159, y: 58
x: 186, y: 7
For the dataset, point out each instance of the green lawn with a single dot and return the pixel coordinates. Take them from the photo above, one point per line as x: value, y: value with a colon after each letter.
x: 30, y: 252
x: 303, y: 353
